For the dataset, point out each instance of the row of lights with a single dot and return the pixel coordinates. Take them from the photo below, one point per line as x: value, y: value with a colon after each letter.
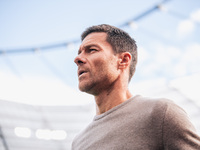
x: 44, y: 134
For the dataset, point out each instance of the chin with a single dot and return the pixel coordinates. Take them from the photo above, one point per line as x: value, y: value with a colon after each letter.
x: 87, y: 88
x: 84, y: 87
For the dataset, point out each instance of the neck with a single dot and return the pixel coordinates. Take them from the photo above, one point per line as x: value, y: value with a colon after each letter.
x: 108, y: 99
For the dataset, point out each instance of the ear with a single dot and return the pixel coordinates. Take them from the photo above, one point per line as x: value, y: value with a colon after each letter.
x: 124, y: 60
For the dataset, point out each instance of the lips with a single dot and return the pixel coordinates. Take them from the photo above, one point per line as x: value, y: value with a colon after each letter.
x: 81, y: 72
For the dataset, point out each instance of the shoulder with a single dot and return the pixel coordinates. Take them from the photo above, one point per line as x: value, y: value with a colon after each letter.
x: 175, y: 126
x: 157, y: 105
x: 162, y: 109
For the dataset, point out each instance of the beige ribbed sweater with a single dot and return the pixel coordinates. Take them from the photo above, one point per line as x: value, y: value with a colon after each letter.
x: 140, y: 124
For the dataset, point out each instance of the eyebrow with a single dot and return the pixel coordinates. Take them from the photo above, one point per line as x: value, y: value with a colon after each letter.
x: 88, y: 46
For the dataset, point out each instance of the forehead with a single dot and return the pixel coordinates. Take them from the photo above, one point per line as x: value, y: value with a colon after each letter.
x: 94, y: 38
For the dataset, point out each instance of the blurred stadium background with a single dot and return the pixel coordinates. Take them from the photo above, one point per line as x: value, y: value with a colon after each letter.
x: 40, y: 105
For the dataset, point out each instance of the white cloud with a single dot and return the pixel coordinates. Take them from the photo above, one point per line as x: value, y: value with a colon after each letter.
x: 195, y: 16
x: 179, y: 69
x: 164, y: 55
x: 189, y: 86
x: 185, y: 27
x: 173, y: 52
x: 143, y: 55
x: 40, y: 91
x: 188, y: 61
x: 160, y: 56
x: 192, y: 53
x: 149, y: 70
x: 147, y: 87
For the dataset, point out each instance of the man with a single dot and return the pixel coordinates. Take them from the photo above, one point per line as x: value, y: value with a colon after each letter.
x: 106, y: 62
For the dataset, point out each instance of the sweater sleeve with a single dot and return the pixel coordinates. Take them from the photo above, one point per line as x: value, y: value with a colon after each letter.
x: 178, y: 131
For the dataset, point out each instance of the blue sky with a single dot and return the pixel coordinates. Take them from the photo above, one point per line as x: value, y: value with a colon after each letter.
x: 168, y: 41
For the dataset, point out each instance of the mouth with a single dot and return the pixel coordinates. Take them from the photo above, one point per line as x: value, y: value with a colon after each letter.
x: 81, y: 72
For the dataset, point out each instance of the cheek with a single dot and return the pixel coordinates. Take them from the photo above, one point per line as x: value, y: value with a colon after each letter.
x: 99, y: 67
x: 105, y: 66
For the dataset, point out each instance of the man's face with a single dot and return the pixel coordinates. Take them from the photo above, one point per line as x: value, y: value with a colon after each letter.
x: 97, y: 64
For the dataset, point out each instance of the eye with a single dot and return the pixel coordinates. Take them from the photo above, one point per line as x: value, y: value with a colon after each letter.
x: 91, y: 50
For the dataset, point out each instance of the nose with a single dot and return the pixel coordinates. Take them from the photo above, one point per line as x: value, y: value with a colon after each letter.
x: 79, y: 60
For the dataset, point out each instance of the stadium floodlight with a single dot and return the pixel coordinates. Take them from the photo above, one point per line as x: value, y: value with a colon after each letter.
x: 22, y: 132
x: 47, y: 134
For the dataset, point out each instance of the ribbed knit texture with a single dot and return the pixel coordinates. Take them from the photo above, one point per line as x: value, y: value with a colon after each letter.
x: 140, y: 124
